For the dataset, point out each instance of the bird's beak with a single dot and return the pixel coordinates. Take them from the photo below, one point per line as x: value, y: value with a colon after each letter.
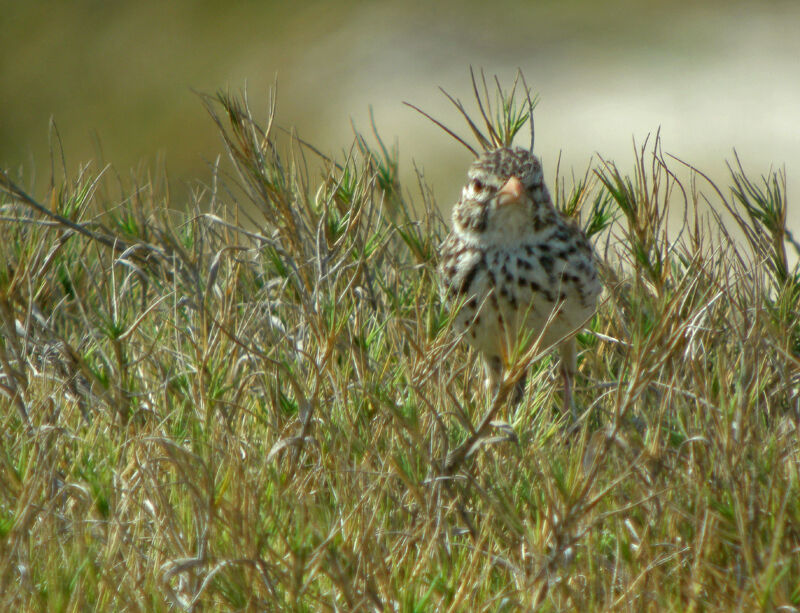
x: 511, y: 193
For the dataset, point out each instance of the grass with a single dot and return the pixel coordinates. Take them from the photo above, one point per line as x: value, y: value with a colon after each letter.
x: 251, y: 405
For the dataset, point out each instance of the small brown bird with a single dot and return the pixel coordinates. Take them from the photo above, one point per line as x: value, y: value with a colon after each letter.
x: 518, y: 265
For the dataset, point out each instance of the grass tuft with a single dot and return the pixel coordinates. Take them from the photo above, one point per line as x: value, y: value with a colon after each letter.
x: 258, y: 402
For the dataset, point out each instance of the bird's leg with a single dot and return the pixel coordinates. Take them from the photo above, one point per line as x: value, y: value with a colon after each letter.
x: 494, y: 376
x: 519, y: 390
x: 493, y: 366
x: 568, y: 369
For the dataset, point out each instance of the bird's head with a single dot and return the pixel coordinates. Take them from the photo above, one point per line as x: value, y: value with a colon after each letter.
x: 502, y: 197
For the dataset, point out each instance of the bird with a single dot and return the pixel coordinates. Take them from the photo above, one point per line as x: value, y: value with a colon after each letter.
x: 516, y: 266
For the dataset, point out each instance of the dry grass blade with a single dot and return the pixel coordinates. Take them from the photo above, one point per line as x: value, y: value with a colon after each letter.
x: 502, y: 123
x: 443, y: 127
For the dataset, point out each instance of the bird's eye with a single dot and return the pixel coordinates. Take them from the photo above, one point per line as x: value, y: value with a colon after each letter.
x: 477, y: 185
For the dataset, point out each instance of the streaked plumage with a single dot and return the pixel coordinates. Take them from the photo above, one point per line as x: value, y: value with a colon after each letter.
x: 515, y: 261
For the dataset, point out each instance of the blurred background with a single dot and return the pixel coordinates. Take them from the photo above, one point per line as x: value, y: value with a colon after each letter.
x: 118, y: 79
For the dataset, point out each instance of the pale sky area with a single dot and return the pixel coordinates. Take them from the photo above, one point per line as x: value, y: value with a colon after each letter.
x: 713, y: 76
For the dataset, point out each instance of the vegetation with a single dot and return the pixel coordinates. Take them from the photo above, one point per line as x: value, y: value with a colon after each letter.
x: 260, y: 405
